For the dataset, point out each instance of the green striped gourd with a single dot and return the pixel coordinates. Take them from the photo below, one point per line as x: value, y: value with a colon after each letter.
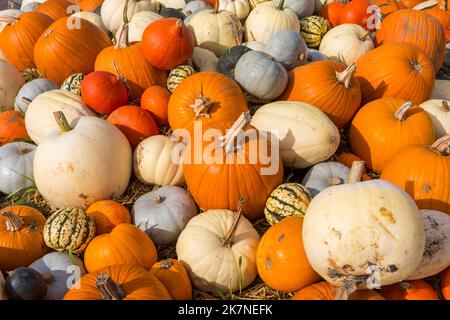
x: 31, y: 74
x: 288, y: 199
x: 313, y: 29
x: 177, y: 75
x: 69, y: 229
x: 73, y: 83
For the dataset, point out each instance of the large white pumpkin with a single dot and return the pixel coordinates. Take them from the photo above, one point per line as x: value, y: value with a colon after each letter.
x: 303, y: 8
x: 437, y: 246
x: 363, y: 233
x: 92, y: 18
x: 11, y: 80
x: 91, y: 161
x: 164, y: 213
x: 139, y: 23
x: 16, y: 166
x: 39, y: 119
x: 30, y: 91
x: 158, y: 160
x: 438, y: 110
x: 267, y: 19
x: 306, y: 135
x: 211, y: 258
x: 240, y: 8
x: 325, y: 174
x: 112, y: 11
x: 346, y: 42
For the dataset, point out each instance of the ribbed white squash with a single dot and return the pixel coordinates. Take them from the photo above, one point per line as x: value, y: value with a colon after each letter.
x: 306, y: 135
x: 437, y: 247
x: 139, y: 22
x: 11, y: 80
x: 39, y: 119
x: 240, y: 8
x: 30, y: 91
x: 112, y: 11
x: 439, y: 112
x: 92, y: 18
x: 323, y: 175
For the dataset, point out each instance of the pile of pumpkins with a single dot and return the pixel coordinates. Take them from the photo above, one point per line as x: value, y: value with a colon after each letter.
x: 95, y: 94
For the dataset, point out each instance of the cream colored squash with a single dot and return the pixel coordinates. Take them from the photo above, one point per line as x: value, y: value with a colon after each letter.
x: 112, y: 11
x: 176, y: 4
x: 323, y: 175
x: 157, y: 160
x: 267, y: 19
x: 256, y: 45
x: 39, y: 119
x: 204, y: 60
x: 211, y: 253
x: 6, y: 13
x: 306, y: 135
x: 80, y: 163
x: 437, y: 247
x: 2, y: 288
x: 139, y: 22
x: 346, y: 42
x: 240, y: 8
x: 439, y: 112
x: 216, y: 31
x: 92, y: 18
x: 254, y: 3
x: 365, y: 234
x: 25, y: 2
x: 11, y: 80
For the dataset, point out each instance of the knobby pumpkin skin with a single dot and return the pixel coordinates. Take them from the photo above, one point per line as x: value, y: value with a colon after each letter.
x: 325, y: 291
x: 409, y: 290
x: 445, y: 283
x: 412, y: 80
x: 55, y: 9
x: 107, y: 214
x: 59, y: 45
x: 21, y: 240
x: 174, y: 277
x: 156, y: 100
x: 19, y: 37
x: 384, y: 126
x: 281, y: 258
x: 125, y: 244
x: 12, y: 126
x: 134, y: 283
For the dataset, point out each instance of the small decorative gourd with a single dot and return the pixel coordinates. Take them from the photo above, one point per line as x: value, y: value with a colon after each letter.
x: 325, y: 174
x: 73, y: 83
x: 177, y: 75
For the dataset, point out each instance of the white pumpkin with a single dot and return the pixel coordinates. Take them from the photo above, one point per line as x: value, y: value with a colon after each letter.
x: 195, y: 6
x: 30, y: 91
x: 325, y: 174
x: 261, y: 75
x: 216, y: 32
x: 256, y: 45
x: 211, y: 253
x: 164, y: 213
x: 7, y: 13
x: 240, y: 8
x: 363, y: 233
x: 92, y: 18
x: 267, y: 19
x: 26, y: 2
x: 139, y: 23
x: 39, y: 119
x: 437, y: 246
x: 303, y: 8
x: 11, y: 80
x: 91, y: 160
x: 204, y: 60
x: 16, y: 166
x: 112, y: 11
x: 157, y: 160
x: 61, y: 271
x: 176, y: 4
x: 438, y: 110
x: 288, y: 47
x: 30, y: 7
x: 306, y: 135
x: 346, y: 42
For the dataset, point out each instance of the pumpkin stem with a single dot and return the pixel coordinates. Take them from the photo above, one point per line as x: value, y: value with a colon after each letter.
x: 302, y: 57
x: 108, y: 288
x: 159, y: 199
x: 334, y: 181
x: 9, y: 20
x: 122, y: 39
x: 216, y: 7
x: 48, y: 277
x: 344, y: 292
x: 201, y: 107
x: 62, y: 122
x: 405, y: 285
x: 442, y: 144
x: 26, y: 100
x: 227, y: 241
x: 13, y: 221
x: 400, y: 114
x: 281, y: 5
x: 346, y: 76
x: 227, y: 140
x: 125, y: 12
x: 417, y: 66
x: 443, y: 5
x: 47, y: 34
x: 364, y: 36
x: 445, y: 106
x: 425, y: 5
x: 165, y: 264
x: 179, y: 23
x: 356, y: 171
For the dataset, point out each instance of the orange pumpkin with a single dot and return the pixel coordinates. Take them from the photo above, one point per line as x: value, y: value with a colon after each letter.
x: 21, y: 239
x: 128, y: 60
x: 19, y: 36
x: 347, y: 159
x: 125, y: 244
x: 441, y: 12
x: 409, y: 290
x: 281, y: 259
x: 12, y: 126
x: 445, y: 283
x: 62, y: 51
x: 384, y: 126
x: 329, y: 86
x: 90, y: 5
x: 174, y: 277
x: 107, y: 215
x: 119, y: 282
x: 134, y: 122
x: 399, y: 70
x: 219, y: 178
x: 208, y: 97
x: 55, y: 9
x: 332, y: 11
x: 419, y: 170
x: 156, y: 100
x: 417, y: 28
x: 386, y: 6
x: 325, y: 291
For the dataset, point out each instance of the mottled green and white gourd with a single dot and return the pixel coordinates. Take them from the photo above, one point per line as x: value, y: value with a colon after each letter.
x: 73, y: 83
x: 177, y: 75
x: 313, y: 29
